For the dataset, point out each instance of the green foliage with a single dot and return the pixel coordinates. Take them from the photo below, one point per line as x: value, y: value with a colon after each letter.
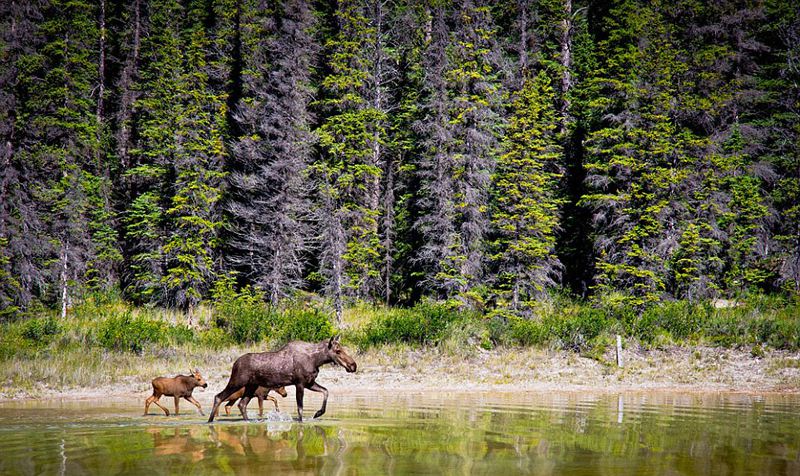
x: 425, y: 323
x: 247, y: 318
x: 40, y: 330
x: 526, y: 209
x: 572, y: 329
x: 133, y: 333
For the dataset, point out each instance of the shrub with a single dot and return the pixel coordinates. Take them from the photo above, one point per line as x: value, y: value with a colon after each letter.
x: 681, y: 319
x: 527, y: 331
x: 40, y: 330
x: 243, y: 315
x: 303, y: 324
x: 425, y: 323
x: 127, y: 333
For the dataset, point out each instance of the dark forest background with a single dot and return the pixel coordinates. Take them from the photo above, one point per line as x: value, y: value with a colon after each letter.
x: 388, y: 151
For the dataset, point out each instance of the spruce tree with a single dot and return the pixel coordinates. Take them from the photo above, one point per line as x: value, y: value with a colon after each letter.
x: 462, y: 94
x: 525, y: 211
x: 268, y: 187
x: 351, y: 136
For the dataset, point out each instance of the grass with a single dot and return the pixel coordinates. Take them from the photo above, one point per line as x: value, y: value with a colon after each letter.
x: 105, y: 340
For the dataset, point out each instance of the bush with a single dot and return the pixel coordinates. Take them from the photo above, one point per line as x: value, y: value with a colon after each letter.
x: 127, y: 333
x: 303, y: 324
x: 248, y: 319
x: 40, y: 330
x: 243, y: 315
x: 681, y: 319
x: 425, y: 323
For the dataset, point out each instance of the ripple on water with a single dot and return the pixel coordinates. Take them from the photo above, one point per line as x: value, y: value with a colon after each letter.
x: 418, y: 432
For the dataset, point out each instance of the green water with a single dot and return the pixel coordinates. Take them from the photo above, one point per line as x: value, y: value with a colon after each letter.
x: 416, y: 433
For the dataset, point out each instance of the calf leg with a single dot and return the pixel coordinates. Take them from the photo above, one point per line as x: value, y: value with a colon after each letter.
x: 273, y: 400
x: 191, y: 399
x: 177, y: 399
x: 154, y: 399
x: 315, y: 387
x: 221, y: 397
x: 299, y: 395
x: 229, y: 405
x: 260, y: 406
x: 249, y: 392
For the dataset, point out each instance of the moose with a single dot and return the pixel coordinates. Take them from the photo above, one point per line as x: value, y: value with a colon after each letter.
x: 262, y: 394
x: 180, y: 386
x: 296, y: 363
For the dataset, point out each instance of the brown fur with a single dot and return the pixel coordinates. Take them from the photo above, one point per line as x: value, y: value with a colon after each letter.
x: 180, y: 386
x: 297, y: 363
x: 261, y: 394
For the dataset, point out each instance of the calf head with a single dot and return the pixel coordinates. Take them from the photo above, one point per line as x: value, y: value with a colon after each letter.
x: 281, y: 391
x: 337, y: 353
x: 201, y: 382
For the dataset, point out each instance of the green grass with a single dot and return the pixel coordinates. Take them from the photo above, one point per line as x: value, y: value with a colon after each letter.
x: 106, y: 339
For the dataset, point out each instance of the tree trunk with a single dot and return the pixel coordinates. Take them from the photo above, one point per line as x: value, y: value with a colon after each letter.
x: 566, y: 64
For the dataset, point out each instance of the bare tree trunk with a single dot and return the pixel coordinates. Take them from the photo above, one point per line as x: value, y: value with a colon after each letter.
x: 101, y: 65
x: 524, y: 5
x: 64, y: 292
x: 566, y: 63
x: 388, y: 230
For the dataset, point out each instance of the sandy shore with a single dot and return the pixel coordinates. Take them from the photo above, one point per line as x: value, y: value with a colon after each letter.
x: 699, y: 369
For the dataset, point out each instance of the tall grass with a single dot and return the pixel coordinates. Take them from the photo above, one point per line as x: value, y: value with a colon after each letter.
x: 106, y: 336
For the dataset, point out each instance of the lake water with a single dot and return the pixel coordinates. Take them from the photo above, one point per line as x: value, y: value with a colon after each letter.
x: 415, y: 433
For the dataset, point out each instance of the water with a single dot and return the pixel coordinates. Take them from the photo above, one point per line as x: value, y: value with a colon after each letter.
x: 415, y: 433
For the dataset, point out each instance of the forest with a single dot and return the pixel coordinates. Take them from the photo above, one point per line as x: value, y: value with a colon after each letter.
x: 395, y: 152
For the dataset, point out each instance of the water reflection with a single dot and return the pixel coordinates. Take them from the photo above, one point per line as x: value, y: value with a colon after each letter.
x: 554, y: 433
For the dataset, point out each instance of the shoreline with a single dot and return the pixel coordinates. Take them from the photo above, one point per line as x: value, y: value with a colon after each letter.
x: 698, y: 370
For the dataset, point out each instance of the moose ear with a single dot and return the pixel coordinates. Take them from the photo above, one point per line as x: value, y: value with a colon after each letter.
x: 330, y: 343
x: 337, y: 337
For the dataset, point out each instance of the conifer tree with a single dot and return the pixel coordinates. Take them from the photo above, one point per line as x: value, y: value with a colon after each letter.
x: 525, y: 205
x: 20, y: 228
x: 351, y: 136
x: 268, y: 188
x: 639, y: 158
x: 462, y: 95
x: 61, y: 117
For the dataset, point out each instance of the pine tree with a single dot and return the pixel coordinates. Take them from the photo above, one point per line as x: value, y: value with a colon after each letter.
x: 66, y: 137
x: 173, y: 221
x: 525, y: 213
x: 268, y: 189
x: 198, y: 159
x: 351, y: 136
x: 640, y: 157
x: 462, y: 93
x: 21, y: 242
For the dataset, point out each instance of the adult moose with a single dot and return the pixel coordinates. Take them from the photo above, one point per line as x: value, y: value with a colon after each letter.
x: 297, y: 363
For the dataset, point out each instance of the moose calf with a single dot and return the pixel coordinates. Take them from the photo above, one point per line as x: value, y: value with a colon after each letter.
x: 262, y: 394
x: 179, y: 387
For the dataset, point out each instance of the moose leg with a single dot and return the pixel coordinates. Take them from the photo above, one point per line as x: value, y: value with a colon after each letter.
x: 315, y: 387
x: 249, y: 392
x: 299, y: 395
x: 177, y: 399
x: 221, y: 397
x: 192, y: 400
x: 260, y: 406
x: 154, y: 399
